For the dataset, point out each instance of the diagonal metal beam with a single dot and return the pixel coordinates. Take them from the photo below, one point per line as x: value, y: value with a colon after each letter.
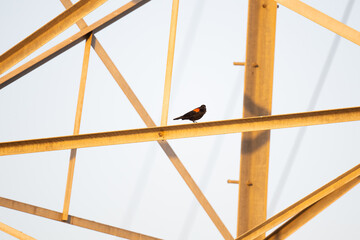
x: 76, y: 221
x: 322, y: 19
x: 70, y: 42
x: 302, y: 204
x: 150, y: 123
x: 169, y: 63
x: 110, y: 65
x: 163, y: 133
x: 307, y: 214
x: 14, y: 232
x: 79, y: 108
x: 47, y: 32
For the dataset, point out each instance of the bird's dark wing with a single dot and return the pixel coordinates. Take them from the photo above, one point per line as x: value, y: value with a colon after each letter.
x: 189, y: 114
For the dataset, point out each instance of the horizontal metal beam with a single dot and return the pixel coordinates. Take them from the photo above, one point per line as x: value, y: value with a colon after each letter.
x: 69, y: 42
x: 302, y: 204
x: 181, y: 131
x: 47, y: 32
x: 322, y: 19
x: 76, y: 221
x: 309, y: 213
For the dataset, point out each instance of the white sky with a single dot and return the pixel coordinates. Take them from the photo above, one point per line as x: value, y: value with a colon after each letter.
x: 134, y: 186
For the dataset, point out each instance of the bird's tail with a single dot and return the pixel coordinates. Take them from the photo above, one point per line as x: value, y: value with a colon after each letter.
x: 177, y: 118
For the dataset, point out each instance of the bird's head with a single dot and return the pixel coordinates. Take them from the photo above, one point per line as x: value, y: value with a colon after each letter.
x: 203, y: 107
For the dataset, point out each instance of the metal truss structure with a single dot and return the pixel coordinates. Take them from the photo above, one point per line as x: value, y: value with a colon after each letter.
x: 255, y: 126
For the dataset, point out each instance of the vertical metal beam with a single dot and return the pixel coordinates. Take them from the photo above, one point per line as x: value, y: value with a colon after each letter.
x: 13, y: 232
x: 259, y: 65
x: 307, y: 214
x: 47, y: 32
x: 170, y: 62
x: 79, y: 107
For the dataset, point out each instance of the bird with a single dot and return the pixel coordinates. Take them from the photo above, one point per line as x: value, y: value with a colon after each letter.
x: 194, y: 114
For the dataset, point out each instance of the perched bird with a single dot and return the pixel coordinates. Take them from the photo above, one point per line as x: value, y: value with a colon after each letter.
x: 193, y: 115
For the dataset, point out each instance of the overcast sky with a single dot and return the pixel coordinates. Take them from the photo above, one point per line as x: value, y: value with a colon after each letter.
x: 135, y: 186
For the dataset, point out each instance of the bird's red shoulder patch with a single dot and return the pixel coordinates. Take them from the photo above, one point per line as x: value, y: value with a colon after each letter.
x: 196, y: 110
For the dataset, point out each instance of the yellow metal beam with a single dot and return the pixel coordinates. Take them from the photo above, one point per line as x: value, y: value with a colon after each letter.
x: 150, y: 123
x: 302, y: 204
x: 322, y: 19
x: 76, y: 221
x: 181, y: 131
x: 69, y: 42
x: 15, y: 233
x: 255, y: 146
x: 79, y: 108
x: 169, y: 63
x: 47, y: 32
x: 307, y: 214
